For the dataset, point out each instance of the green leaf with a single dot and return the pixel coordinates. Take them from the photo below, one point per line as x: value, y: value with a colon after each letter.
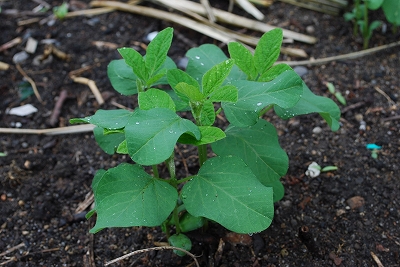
x: 127, y: 196
x: 188, y: 222
x: 121, y: 77
x: 110, y: 119
x: 310, y: 103
x: 176, y: 76
x: 206, y: 56
x: 151, y: 135
x: 279, y: 190
x: 391, y: 8
x: 243, y: 59
x: 157, y: 50
x: 226, y: 191
x: 155, y: 98
x: 226, y: 93
x: 180, y: 241
x: 373, y: 4
x: 258, y: 147
x: 209, y: 134
x: 108, y: 142
x: 188, y: 92
x: 122, y: 148
x: 214, y: 78
x: 268, y: 50
x: 274, y: 72
x: 134, y: 60
x: 283, y: 91
x: 207, y: 113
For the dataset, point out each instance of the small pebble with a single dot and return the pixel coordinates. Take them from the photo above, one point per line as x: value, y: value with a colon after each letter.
x: 356, y: 202
x: 183, y: 62
x: 20, y: 57
x: 300, y: 70
x: 310, y: 29
x: 317, y: 130
x: 149, y: 37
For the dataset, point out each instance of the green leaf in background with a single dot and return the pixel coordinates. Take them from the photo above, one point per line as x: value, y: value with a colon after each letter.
x: 373, y: 4
x: 155, y: 98
x: 391, y: 8
x: 226, y: 191
x: 136, y: 61
x: 108, y: 142
x: 209, y: 134
x: 267, y: 50
x: 214, y: 78
x: 176, y: 76
x: 180, y: 241
x: 121, y: 77
x: 110, y: 119
x: 127, y: 196
x: 283, y: 91
x: 243, y: 59
x: 310, y: 103
x: 157, y: 50
x: 151, y: 135
x: 258, y: 147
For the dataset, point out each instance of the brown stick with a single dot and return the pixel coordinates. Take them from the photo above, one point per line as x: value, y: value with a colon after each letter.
x: 52, y: 131
x: 35, y: 90
x: 12, y: 249
x: 57, y: 108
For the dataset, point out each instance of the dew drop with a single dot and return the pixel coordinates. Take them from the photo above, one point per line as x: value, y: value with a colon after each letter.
x: 197, y: 57
x: 137, y: 122
x: 259, y: 104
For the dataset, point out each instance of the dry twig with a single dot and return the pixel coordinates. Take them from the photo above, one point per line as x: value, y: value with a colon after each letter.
x: 57, y: 108
x: 150, y: 249
x: 35, y: 90
x: 376, y: 259
x: 51, y: 131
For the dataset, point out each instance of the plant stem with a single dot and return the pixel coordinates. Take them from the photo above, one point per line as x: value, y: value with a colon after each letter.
x: 366, y: 27
x: 155, y: 171
x: 265, y: 110
x: 202, y: 149
x: 174, y: 182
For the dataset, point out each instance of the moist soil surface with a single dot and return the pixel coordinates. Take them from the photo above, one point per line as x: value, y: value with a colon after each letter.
x: 340, y: 218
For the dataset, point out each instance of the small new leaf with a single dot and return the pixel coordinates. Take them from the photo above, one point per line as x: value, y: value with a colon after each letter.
x: 214, y: 78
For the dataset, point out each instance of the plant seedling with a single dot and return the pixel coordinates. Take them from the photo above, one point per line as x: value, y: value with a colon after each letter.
x: 314, y: 169
x: 337, y: 94
x: 237, y: 187
x: 61, y: 11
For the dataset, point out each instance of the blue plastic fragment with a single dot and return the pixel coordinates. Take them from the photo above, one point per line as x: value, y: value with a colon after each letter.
x: 373, y: 146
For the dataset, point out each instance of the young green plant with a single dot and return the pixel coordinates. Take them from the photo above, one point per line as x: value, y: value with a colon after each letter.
x: 235, y: 188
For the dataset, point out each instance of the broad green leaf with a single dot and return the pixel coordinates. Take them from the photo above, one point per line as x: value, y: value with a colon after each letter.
x: 127, y: 196
x: 310, y: 103
x: 243, y: 59
x: 188, y: 222
x: 122, y: 77
x: 279, y: 190
x: 155, y: 98
x: 124, y: 80
x: 207, y: 113
x: 226, y: 191
x: 180, y: 105
x: 209, y: 134
x: 274, y: 72
x: 157, y: 50
x: 180, y: 241
x: 110, y: 119
x: 258, y: 147
x: 267, y: 50
x: 226, y: 93
x: 204, y: 57
x: 285, y: 90
x: 134, y: 60
x: 108, y: 142
x: 176, y: 76
x: 373, y: 4
x: 188, y: 92
x: 151, y: 135
x: 214, y: 78
x: 391, y: 8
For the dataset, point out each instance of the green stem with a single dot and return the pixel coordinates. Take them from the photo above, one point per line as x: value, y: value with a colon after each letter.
x: 170, y: 162
x: 180, y: 181
x: 155, y: 171
x: 202, y: 149
x: 265, y: 110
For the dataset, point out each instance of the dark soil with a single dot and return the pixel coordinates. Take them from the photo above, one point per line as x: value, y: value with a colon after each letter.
x: 44, y: 178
